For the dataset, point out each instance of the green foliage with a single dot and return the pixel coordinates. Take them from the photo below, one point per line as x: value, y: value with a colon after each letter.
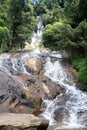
x: 18, y: 17
x: 23, y: 21
x: 40, y: 8
x: 28, y: 23
x: 50, y: 10
x: 79, y: 63
x: 56, y: 36
x: 58, y: 13
x: 61, y: 36
x: 2, y: 23
x: 67, y: 10
x: 82, y: 76
x: 4, y: 38
x: 4, y: 14
x: 79, y: 38
x: 71, y: 12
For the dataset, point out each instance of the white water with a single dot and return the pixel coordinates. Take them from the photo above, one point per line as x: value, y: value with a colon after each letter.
x: 76, y: 103
x: 36, y: 39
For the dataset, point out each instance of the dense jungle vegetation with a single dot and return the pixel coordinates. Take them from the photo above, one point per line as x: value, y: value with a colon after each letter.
x: 65, y: 27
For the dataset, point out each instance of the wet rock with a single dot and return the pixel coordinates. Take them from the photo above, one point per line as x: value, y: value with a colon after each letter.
x: 60, y: 114
x: 10, y: 121
x: 82, y: 116
x: 61, y: 111
x: 71, y: 72
x: 35, y: 64
x: 42, y: 87
x: 62, y: 99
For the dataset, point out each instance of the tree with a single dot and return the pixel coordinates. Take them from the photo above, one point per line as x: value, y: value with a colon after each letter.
x: 23, y: 21
x: 4, y: 38
x: 27, y: 26
x: 82, y: 10
x: 80, y: 37
x: 57, y: 36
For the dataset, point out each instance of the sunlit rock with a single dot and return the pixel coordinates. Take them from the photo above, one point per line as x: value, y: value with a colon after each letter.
x: 35, y: 64
x: 27, y: 46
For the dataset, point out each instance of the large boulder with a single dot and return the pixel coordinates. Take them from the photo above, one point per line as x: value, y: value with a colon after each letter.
x: 34, y: 63
x: 10, y: 121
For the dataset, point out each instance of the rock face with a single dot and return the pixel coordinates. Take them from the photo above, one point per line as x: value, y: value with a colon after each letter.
x: 10, y: 121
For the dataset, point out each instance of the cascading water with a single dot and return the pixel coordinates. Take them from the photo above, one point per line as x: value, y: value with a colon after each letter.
x: 77, y: 102
x: 35, y: 41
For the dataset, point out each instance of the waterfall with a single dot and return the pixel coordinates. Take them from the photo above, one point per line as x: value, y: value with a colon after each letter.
x: 75, y: 101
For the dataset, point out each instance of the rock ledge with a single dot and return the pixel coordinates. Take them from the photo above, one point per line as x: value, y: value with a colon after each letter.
x: 11, y: 121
